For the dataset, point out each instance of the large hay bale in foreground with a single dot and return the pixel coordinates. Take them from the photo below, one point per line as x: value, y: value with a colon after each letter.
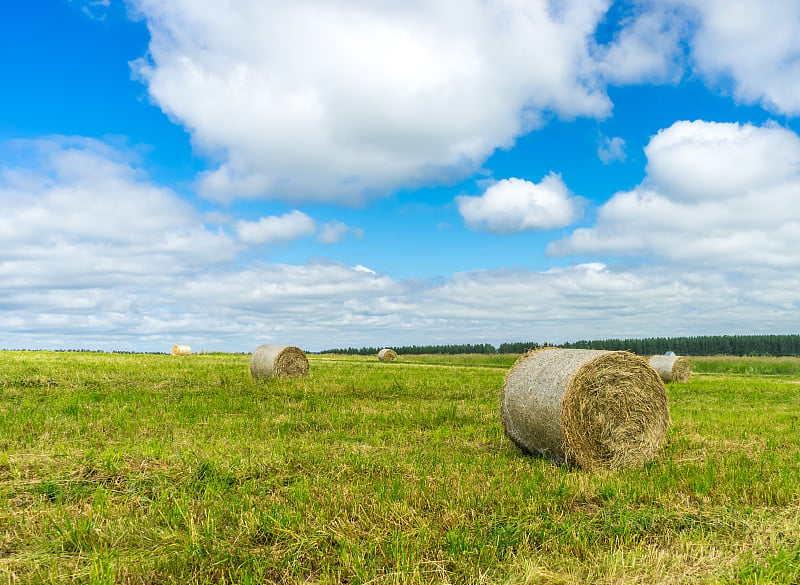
x: 597, y: 409
x: 671, y: 368
x: 181, y: 350
x: 278, y: 361
x: 387, y: 355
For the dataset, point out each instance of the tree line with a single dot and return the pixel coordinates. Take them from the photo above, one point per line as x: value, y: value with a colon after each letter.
x: 760, y: 345
x: 419, y: 349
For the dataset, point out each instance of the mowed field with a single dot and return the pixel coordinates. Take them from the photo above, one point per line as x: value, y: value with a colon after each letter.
x: 158, y: 469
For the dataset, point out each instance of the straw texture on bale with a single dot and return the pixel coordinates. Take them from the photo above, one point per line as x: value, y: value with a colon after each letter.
x: 387, y: 355
x: 181, y: 350
x: 671, y: 368
x: 278, y: 361
x: 593, y: 408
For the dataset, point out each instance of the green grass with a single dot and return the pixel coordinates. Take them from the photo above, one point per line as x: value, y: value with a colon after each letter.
x: 503, y: 360
x: 156, y: 469
x: 748, y: 366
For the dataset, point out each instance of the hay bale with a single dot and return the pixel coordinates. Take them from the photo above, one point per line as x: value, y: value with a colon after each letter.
x: 278, y: 361
x: 181, y: 350
x: 387, y: 355
x: 597, y: 409
x: 671, y: 368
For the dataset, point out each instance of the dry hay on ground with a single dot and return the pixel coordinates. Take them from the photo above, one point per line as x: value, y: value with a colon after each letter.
x: 597, y: 409
x: 387, y: 355
x: 181, y: 350
x: 671, y: 368
x: 278, y: 361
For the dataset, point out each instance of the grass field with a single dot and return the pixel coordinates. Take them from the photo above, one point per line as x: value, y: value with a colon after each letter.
x: 157, y: 469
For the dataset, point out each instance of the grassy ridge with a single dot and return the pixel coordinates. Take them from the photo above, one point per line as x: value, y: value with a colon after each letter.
x: 154, y: 469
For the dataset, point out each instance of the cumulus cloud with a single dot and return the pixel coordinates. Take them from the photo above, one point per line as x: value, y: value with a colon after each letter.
x: 344, y: 101
x: 327, y: 304
x: 751, y: 45
x: 93, y: 255
x: 78, y: 206
x: 357, y: 306
x: 333, y: 232
x: 339, y: 101
x: 516, y: 205
x: 692, y: 161
x: 289, y: 226
x: 611, y: 149
x: 88, y: 245
x: 722, y: 195
x: 749, y: 48
x: 647, y: 47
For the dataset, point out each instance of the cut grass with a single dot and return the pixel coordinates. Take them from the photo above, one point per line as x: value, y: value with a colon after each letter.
x: 146, y: 469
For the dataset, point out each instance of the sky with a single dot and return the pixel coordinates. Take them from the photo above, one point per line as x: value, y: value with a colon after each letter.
x: 349, y: 173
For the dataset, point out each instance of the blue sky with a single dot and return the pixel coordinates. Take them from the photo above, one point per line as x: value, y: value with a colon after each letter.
x: 346, y: 173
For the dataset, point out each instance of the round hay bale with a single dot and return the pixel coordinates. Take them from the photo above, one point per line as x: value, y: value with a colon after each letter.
x: 387, y: 355
x: 597, y: 409
x: 278, y: 361
x: 671, y: 368
x: 181, y: 350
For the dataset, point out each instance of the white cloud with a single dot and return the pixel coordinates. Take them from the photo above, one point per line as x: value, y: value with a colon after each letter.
x: 516, y: 205
x: 80, y: 207
x: 611, y: 149
x: 646, y: 47
x: 93, y: 255
x: 330, y: 305
x: 289, y: 226
x: 692, y: 161
x: 752, y: 45
x: 343, y: 101
x: 340, y: 101
x: 749, y: 48
x: 333, y: 232
x: 94, y: 9
x: 725, y: 196
x: 89, y: 246
x: 322, y: 305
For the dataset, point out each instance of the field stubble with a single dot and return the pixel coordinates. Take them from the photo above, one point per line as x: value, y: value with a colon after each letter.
x: 155, y: 469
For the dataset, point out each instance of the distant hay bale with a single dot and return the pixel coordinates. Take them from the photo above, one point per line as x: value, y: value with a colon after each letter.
x: 181, y: 350
x: 278, y: 361
x: 387, y: 355
x: 597, y: 409
x: 671, y: 368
